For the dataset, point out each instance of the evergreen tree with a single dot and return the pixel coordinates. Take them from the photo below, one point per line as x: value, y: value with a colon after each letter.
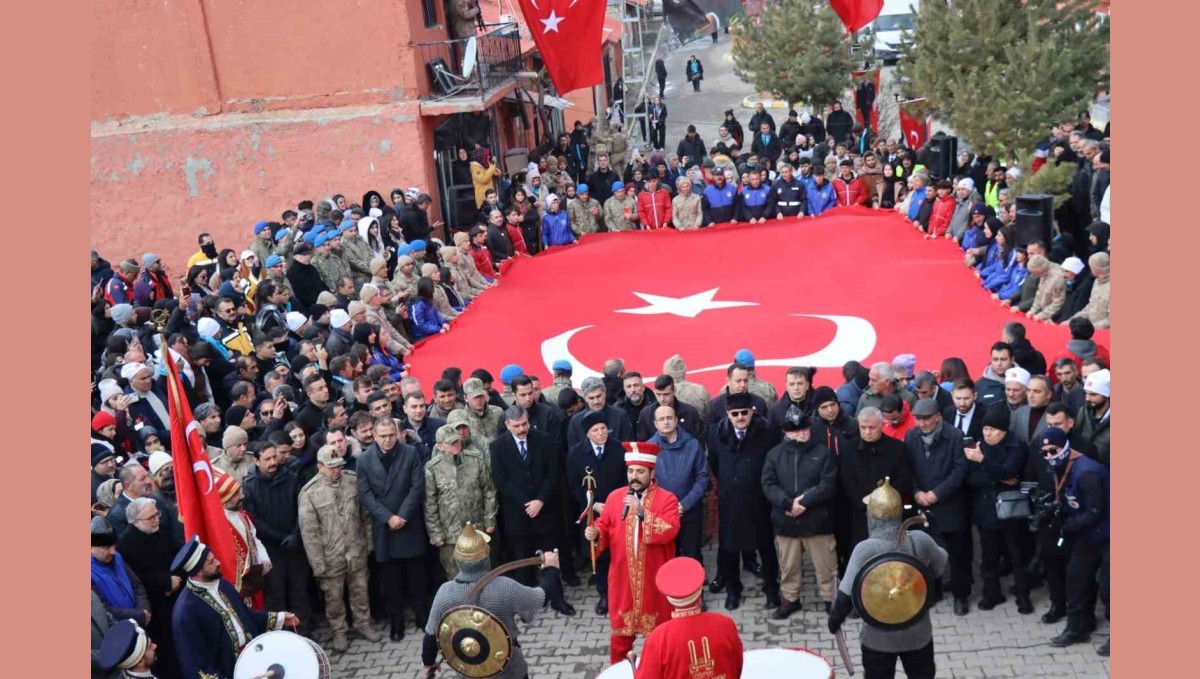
x: 798, y: 50
x: 999, y: 71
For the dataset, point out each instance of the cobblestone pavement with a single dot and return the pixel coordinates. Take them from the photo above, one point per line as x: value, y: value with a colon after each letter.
x: 996, y: 643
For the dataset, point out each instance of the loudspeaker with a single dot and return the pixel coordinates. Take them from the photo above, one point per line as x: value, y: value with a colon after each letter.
x: 1035, y: 218
x: 942, y: 153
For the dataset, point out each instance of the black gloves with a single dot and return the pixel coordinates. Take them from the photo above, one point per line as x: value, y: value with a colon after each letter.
x: 842, y: 606
x: 429, y: 650
x: 291, y: 542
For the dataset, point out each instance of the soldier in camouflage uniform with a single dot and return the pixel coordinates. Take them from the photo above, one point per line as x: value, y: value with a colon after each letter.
x: 482, y: 418
x: 335, y: 530
x: 617, y: 146
x: 760, y: 388
x: 458, y: 489
x: 584, y: 212
x: 620, y: 211
x: 327, y: 263
x: 264, y: 242
x: 356, y: 254
x: 690, y: 393
x: 404, y: 283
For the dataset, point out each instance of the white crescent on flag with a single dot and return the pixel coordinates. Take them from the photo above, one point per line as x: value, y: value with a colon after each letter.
x: 201, y: 465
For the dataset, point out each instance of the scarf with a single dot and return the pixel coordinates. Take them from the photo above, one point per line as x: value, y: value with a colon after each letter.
x: 111, y: 582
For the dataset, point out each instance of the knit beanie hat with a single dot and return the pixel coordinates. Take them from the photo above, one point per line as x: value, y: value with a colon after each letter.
x: 108, y: 389
x: 368, y: 293
x: 121, y: 313
x: 823, y: 395
x: 103, y: 419
x: 102, y: 533
x: 233, y: 436
x: 996, y: 418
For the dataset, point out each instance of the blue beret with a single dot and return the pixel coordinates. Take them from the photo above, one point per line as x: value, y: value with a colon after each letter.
x: 582, y: 188
x: 417, y: 245
x: 618, y: 185
x: 322, y: 238
x: 745, y: 357
x: 311, y: 236
x: 563, y: 364
x: 510, y: 372
x: 258, y: 228
x: 404, y: 249
x: 281, y: 234
x: 274, y: 260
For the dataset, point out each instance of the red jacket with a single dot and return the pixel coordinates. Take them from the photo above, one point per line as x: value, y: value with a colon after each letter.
x: 518, y: 239
x: 939, y: 218
x: 654, y: 209
x: 852, y: 192
x: 907, y: 421
x: 483, y: 261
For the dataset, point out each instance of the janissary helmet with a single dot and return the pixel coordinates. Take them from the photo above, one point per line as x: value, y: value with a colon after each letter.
x: 472, y: 545
x: 884, y: 502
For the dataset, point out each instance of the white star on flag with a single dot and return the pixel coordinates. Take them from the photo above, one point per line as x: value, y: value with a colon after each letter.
x: 687, y: 307
x: 551, y: 22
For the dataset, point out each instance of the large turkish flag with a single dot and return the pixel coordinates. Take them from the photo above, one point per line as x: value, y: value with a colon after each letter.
x: 854, y: 284
x: 856, y: 13
x: 568, y: 34
x: 913, y: 124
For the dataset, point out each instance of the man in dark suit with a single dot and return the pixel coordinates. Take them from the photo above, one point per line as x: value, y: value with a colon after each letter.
x: 1027, y: 422
x: 935, y: 452
x: 391, y: 488
x: 739, y: 383
x: 766, y: 145
x: 525, y: 470
x: 664, y: 393
x: 542, y: 416
x: 595, y: 394
x: 925, y: 385
x: 604, y: 456
x: 964, y: 414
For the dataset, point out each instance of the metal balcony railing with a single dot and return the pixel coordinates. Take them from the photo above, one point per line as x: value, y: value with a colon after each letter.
x: 496, y: 56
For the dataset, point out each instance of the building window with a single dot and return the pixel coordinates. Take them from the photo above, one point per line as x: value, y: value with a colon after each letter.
x: 429, y: 10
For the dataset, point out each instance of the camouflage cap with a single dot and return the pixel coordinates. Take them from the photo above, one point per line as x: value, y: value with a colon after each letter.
x: 473, y: 387
x: 448, y: 434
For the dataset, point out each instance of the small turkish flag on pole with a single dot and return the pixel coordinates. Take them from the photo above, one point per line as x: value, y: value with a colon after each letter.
x: 200, y: 507
x: 914, y: 125
x: 568, y: 34
x: 856, y: 13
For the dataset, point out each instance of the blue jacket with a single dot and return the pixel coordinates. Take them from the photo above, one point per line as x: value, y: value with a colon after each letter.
x: 426, y: 320
x: 394, y: 365
x: 1001, y: 272
x: 682, y: 468
x: 556, y: 229
x: 991, y: 260
x: 1089, y: 517
x: 970, y: 237
x: 753, y: 202
x: 719, y: 204
x: 914, y: 205
x: 820, y: 198
x: 1015, y: 280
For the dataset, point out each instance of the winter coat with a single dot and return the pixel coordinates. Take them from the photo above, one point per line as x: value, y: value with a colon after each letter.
x: 745, y: 514
x: 1051, y: 293
x: 821, y: 198
x: 615, y: 211
x: 687, y: 212
x: 458, y: 488
x: 306, y: 284
x: 556, y: 229
x: 1011, y: 289
x: 425, y: 319
x: 1094, y: 432
x: 584, y: 217
x: 809, y: 470
x: 682, y: 468
x: 483, y: 179
x: 654, y: 209
x: 941, y: 215
x: 357, y: 256
x: 335, y: 527
x: 1096, y: 309
x: 273, y: 503
x: 852, y: 192
x: 1079, y: 291
x: 941, y: 470
x: 693, y: 149
x: 392, y: 338
x: 395, y: 491
x: 985, y: 479
x: 1000, y: 272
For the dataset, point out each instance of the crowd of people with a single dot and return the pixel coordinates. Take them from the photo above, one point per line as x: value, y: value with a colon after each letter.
x: 346, y: 480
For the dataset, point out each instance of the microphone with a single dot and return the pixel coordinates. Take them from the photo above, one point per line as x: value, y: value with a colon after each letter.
x: 625, y: 511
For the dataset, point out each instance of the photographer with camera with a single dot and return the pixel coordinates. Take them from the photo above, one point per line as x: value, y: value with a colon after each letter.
x: 994, y: 468
x: 1071, y: 518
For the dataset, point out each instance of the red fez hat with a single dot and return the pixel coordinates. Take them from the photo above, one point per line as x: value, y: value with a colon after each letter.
x: 644, y: 454
x: 680, y: 580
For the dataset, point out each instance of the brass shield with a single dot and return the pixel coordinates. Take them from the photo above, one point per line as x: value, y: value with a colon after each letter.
x: 891, y: 590
x: 474, y: 642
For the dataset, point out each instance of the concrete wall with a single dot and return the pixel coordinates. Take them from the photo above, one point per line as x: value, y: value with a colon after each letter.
x: 211, y: 115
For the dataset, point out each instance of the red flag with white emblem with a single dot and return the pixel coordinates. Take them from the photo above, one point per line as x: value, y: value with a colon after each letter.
x: 856, y: 13
x: 200, y: 507
x: 568, y: 34
x: 914, y: 125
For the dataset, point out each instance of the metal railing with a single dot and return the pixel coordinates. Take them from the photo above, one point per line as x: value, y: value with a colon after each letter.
x: 497, y: 62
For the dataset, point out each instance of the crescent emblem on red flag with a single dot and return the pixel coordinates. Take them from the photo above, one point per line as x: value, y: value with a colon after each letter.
x: 853, y: 340
x: 205, y: 467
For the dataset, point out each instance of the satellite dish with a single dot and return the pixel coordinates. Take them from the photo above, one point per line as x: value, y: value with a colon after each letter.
x: 469, y: 57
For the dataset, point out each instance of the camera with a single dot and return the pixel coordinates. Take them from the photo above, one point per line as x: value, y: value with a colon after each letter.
x: 1046, y: 510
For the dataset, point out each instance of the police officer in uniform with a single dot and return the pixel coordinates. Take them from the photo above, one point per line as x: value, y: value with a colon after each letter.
x: 719, y: 201
x: 753, y: 198
x: 789, y: 195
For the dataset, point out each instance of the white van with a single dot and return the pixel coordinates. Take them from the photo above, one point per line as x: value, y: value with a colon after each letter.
x: 896, y: 17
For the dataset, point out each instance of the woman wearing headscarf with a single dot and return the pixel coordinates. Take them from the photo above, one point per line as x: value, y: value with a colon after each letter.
x: 735, y: 128
x: 366, y: 335
x: 1079, y: 289
x: 996, y: 273
x: 890, y: 188
x: 373, y: 199
x: 441, y: 301
x: 1098, y: 233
